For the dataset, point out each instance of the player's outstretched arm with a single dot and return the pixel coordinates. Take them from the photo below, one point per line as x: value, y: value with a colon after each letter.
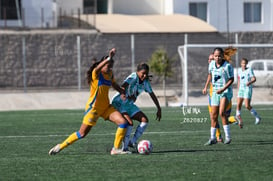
x: 154, y: 98
x: 112, y: 53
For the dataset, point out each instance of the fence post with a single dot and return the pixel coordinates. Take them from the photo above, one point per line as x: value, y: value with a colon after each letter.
x: 24, y: 62
x: 23, y: 18
x: 42, y: 17
x: 236, y: 55
x: 60, y: 18
x: 5, y: 17
x: 133, y: 51
x: 79, y: 18
x: 185, y: 82
x: 79, y: 61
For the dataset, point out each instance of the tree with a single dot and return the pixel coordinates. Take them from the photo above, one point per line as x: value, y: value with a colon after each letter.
x: 161, y: 64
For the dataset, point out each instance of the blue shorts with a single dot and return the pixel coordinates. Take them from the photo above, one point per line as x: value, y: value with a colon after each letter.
x: 125, y: 106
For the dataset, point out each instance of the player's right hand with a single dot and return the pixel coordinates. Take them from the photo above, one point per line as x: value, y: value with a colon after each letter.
x: 112, y: 52
x: 204, y: 91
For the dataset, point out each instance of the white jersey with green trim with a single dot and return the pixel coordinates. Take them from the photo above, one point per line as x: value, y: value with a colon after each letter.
x: 135, y: 87
x: 221, y: 75
x: 245, y: 76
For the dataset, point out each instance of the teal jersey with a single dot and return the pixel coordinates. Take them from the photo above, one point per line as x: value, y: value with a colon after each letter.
x: 221, y: 75
x: 244, y: 77
x: 135, y: 87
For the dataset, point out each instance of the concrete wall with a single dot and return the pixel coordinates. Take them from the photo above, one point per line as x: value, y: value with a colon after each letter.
x: 51, y: 58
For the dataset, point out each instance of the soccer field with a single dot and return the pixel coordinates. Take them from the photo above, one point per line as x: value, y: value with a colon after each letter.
x: 178, y: 148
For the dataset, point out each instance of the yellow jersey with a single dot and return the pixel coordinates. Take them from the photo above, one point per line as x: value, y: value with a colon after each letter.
x: 99, y: 90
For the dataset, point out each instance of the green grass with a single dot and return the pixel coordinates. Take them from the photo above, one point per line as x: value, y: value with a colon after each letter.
x: 179, y: 154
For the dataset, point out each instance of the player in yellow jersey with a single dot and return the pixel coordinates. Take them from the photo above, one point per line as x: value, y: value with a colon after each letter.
x: 100, y: 78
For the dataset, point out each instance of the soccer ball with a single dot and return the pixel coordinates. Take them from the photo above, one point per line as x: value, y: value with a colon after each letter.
x: 144, y: 147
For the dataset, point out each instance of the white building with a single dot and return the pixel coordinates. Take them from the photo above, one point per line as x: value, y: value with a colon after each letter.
x: 29, y: 13
x: 224, y: 15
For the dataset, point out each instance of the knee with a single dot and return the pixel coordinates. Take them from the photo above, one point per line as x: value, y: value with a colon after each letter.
x: 222, y: 114
x: 144, y: 119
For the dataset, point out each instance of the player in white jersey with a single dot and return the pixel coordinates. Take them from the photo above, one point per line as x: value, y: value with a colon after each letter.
x: 246, y: 78
x: 221, y: 76
x: 134, y: 85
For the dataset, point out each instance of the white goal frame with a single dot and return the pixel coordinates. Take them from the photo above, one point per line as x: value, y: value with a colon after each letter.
x: 183, y: 54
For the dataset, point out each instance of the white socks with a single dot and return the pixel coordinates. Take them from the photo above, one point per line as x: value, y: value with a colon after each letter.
x: 227, y: 131
x: 238, y: 113
x: 212, y: 133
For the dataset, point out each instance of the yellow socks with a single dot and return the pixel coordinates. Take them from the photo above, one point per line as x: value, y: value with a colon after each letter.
x: 120, y: 133
x: 71, y: 139
x: 218, y: 133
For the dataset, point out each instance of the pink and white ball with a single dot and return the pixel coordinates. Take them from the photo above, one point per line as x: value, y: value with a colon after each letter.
x: 144, y: 147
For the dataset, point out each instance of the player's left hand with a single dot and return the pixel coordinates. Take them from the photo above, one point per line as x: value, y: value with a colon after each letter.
x: 158, y: 115
x: 220, y: 91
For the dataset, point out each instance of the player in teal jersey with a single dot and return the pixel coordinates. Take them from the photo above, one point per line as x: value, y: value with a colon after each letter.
x: 134, y: 85
x: 246, y: 78
x: 221, y: 76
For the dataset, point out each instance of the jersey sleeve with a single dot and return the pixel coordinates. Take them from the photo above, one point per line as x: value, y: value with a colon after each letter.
x: 210, y: 67
x: 147, y: 86
x: 251, y: 73
x: 130, y: 78
x: 230, y: 71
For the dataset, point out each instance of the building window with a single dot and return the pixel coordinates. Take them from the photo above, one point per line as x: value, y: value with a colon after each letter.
x: 89, y: 7
x: 198, y: 10
x: 252, y: 12
x: 10, y: 10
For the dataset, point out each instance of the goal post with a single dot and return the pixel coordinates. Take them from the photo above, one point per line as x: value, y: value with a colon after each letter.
x: 183, y: 54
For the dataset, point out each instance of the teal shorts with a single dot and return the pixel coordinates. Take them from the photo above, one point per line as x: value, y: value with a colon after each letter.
x: 215, y: 98
x: 245, y: 93
x: 125, y: 106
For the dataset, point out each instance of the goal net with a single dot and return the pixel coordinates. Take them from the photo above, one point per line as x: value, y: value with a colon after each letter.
x: 194, y: 63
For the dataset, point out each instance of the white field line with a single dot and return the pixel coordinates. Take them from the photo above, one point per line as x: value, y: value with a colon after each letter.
x: 106, y: 134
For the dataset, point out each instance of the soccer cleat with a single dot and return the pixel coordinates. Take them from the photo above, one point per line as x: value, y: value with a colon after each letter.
x: 240, y: 121
x: 220, y: 140
x: 56, y: 149
x: 211, y: 142
x: 227, y: 141
x: 127, y: 150
x: 133, y: 145
x: 115, y: 151
x: 258, y: 120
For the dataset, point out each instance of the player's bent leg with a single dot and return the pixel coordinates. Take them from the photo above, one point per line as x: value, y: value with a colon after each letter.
x: 120, y: 134
x: 142, y: 118
x: 84, y: 129
x: 122, y: 123
x: 238, y: 111
x: 252, y: 111
x: 128, y: 132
